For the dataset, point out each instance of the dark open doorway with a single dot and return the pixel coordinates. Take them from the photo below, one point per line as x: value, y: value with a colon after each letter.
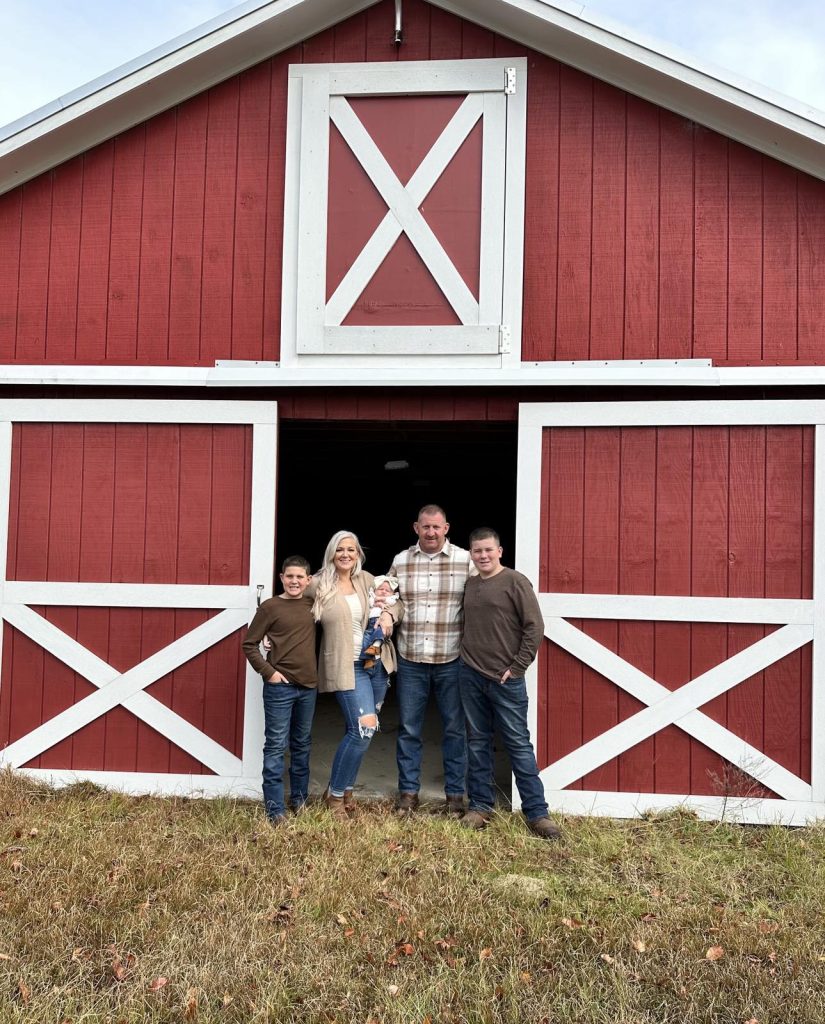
x: 373, y: 478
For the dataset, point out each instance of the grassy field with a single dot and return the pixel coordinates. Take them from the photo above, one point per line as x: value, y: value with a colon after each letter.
x: 123, y: 909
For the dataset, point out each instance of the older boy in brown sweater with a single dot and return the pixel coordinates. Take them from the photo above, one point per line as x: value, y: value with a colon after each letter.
x: 503, y: 627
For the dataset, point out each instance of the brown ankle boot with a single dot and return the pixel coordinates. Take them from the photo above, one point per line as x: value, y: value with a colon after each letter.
x: 350, y: 806
x: 336, y: 806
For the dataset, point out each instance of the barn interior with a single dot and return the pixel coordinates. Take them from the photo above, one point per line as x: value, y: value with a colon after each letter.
x: 372, y: 478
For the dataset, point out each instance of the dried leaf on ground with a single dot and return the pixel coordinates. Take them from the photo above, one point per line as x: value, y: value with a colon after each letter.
x: 158, y: 984
x: 191, y: 1009
x: 715, y: 953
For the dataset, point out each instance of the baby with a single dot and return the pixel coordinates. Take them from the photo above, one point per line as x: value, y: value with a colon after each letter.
x: 381, y: 596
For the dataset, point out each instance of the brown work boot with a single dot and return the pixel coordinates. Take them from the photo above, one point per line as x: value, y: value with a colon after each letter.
x: 336, y: 806
x: 544, y: 828
x: 350, y: 806
x: 474, y: 820
x: 454, y: 804
x: 407, y: 803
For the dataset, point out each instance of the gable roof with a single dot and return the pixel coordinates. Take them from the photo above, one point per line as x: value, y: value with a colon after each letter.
x: 772, y: 124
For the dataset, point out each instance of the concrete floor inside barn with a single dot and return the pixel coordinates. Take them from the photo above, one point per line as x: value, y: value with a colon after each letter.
x: 378, y: 776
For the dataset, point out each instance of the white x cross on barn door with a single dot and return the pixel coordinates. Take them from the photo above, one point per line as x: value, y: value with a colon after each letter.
x: 800, y: 622
x: 227, y: 607
x: 332, y: 313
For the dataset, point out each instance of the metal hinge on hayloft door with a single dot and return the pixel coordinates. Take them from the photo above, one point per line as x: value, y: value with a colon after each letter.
x: 509, y: 81
x: 504, y: 339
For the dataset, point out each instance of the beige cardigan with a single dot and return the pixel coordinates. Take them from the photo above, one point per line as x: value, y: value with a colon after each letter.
x: 335, y: 662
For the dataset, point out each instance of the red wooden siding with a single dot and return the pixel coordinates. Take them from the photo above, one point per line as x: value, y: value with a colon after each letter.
x: 716, y: 512
x: 399, y: 405
x: 127, y: 504
x: 646, y: 235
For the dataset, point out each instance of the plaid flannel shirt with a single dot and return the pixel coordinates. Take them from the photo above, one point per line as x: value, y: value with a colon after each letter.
x: 432, y: 589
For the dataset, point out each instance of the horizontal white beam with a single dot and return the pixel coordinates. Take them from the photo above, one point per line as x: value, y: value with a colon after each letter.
x: 150, y: 783
x: 671, y: 414
x: 124, y: 595
x: 389, y: 371
x: 118, y: 410
x: 676, y: 609
x: 744, y: 809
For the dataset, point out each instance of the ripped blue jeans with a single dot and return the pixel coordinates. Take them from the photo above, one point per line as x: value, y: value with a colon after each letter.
x: 363, y: 702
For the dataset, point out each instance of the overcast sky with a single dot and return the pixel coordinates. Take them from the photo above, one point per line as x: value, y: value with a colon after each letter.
x: 49, y: 47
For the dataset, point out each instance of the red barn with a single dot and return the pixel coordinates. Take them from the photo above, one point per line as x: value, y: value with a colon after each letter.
x: 325, y: 260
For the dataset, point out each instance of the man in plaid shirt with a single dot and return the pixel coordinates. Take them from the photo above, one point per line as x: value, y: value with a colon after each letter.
x: 431, y: 579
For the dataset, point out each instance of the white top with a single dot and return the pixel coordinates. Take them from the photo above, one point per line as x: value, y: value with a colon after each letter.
x: 357, y: 632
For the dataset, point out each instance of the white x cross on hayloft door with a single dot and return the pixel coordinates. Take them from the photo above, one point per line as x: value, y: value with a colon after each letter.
x: 678, y: 550
x: 139, y: 685
x: 404, y: 209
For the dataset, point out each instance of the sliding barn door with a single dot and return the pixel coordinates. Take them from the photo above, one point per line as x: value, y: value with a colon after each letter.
x: 677, y: 549
x: 134, y: 538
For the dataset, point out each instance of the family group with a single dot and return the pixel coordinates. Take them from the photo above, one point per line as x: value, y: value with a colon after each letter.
x: 444, y: 619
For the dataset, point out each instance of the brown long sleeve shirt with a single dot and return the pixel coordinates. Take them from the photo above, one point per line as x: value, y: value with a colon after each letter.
x: 290, y: 627
x: 503, y: 624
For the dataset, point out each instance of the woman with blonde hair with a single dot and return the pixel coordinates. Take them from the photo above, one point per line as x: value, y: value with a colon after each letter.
x: 341, y: 606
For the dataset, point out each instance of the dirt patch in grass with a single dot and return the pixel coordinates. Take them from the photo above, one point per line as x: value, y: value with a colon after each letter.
x: 139, y: 909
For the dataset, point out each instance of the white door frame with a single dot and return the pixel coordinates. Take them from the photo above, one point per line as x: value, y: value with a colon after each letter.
x: 801, y: 622
x: 233, y: 775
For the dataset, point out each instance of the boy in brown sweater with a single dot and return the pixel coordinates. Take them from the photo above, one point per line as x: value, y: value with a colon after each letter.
x: 290, y: 687
x: 503, y: 627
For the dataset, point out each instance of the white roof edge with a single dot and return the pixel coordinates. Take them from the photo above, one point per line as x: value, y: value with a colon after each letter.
x: 718, y: 99
x: 138, y: 63
x: 777, y: 126
x: 164, y: 77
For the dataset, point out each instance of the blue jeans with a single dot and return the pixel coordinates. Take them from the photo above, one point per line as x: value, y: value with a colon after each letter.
x: 288, y: 711
x: 415, y: 679
x: 489, y: 705
x: 365, y: 700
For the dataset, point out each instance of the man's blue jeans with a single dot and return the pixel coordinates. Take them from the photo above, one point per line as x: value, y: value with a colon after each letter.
x: 415, y: 679
x: 362, y: 702
x: 490, y: 705
x: 288, y: 711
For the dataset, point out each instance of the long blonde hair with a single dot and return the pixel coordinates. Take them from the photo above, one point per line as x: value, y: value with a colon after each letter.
x: 328, y: 575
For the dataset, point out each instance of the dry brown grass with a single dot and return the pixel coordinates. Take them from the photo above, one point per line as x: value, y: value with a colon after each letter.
x: 391, y: 921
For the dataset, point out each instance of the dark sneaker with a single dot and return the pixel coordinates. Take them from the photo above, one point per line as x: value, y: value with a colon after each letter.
x: 407, y: 803
x: 474, y: 820
x: 454, y: 804
x: 277, y: 819
x: 544, y: 828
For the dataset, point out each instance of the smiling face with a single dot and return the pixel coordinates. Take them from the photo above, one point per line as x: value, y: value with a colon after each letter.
x: 486, y: 556
x: 294, y: 580
x: 345, y: 558
x: 432, y: 530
